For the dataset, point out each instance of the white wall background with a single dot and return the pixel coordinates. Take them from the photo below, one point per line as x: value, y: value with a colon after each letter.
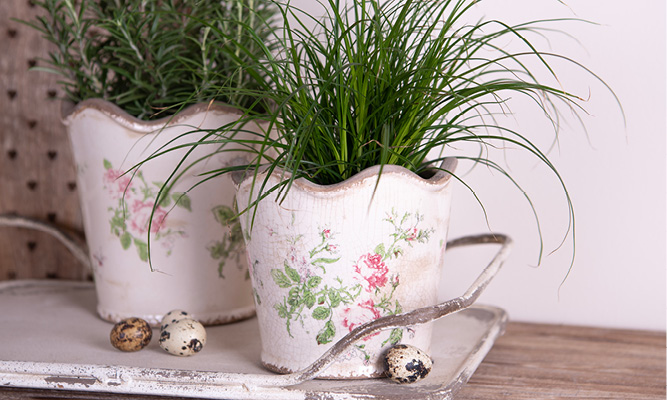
x: 616, y: 177
x: 617, y: 181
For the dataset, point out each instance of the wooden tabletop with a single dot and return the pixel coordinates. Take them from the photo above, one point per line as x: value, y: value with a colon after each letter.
x: 535, y: 361
x: 531, y: 361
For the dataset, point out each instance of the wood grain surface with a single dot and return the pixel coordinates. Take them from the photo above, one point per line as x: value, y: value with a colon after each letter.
x: 531, y: 361
x: 37, y: 173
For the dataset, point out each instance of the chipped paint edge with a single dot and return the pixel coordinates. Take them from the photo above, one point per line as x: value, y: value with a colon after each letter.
x: 133, y: 380
x: 219, y: 385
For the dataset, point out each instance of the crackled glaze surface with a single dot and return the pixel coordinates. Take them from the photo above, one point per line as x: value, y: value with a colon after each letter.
x: 330, y: 258
x: 195, y: 246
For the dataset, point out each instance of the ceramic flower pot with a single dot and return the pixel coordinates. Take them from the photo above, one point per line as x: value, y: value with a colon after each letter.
x: 329, y: 258
x: 196, y: 246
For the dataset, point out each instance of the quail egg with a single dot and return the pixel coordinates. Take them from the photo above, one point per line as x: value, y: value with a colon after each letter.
x: 406, y: 364
x: 183, y: 337
x: 173, y: 316
x: 131, y: 334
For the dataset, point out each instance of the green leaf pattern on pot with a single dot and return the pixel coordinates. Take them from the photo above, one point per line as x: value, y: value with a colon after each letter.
x: 340, y: 307
x: 231, y: 244
x: 133, y: 198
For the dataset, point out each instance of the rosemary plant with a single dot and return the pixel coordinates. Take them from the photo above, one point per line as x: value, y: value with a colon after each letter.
x: 395, y: 82
x: 153, y: 57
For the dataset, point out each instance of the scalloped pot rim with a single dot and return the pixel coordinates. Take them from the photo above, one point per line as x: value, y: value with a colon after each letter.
x: 438, y: 181
x: 71, y: 111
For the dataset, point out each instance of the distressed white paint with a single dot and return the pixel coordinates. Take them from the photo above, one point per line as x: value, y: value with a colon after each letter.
x: 63, y: 345
x: 383, y: 241
x: 106, y: 142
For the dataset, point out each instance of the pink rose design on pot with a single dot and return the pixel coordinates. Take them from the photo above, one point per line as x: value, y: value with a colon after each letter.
x: 116, y: 183
x: 362, y: 313
x: 141, y: 214
x: 373, y: 271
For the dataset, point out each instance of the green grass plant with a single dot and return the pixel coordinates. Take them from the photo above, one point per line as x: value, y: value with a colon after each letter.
x: 395, y: 82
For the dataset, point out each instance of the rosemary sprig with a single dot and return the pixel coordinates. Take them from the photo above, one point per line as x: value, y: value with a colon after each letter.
x: 153, y: 57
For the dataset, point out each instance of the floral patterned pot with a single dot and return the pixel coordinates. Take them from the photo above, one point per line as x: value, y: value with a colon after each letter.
x: 196, y: 248
x: 329, y: 258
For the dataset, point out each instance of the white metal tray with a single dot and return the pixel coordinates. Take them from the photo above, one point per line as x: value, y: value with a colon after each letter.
x: 50, y: 337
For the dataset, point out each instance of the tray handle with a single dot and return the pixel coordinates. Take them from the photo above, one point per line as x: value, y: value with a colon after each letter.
x: 415, y: 317
x: 411, y: 318
x: 73, y: 242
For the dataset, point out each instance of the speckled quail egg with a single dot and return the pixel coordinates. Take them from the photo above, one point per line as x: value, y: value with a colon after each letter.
x: 406, y: 364
x: 173, y: 316
x: 184, y: 337
x: 131, y: 334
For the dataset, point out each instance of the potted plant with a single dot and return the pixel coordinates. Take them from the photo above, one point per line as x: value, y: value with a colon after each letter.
x: 345, y: 201
x: 138, y: 74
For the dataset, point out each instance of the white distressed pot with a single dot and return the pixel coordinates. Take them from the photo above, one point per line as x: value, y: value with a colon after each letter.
x: 329, y: 258
x: 197, y: 254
